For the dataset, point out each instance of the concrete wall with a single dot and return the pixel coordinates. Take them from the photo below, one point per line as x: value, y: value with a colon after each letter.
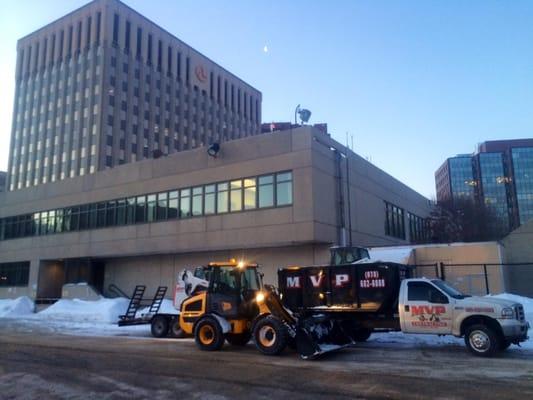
x: 162, y: 270
x: 518, y: 248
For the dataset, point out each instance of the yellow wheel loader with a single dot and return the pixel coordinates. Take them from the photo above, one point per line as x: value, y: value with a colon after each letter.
x: 237, y: 307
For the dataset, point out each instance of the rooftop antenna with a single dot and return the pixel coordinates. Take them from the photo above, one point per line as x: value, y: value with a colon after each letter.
x: 303, y: 113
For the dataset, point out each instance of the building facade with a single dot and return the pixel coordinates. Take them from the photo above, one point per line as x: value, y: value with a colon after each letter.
x: 3, y: 178
x: 498, y: 177
x: 279, y: 199
x: 104, y: 86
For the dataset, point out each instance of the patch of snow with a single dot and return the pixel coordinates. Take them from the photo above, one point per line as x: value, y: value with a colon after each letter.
x: 12, y: 308
x: 102, y: 310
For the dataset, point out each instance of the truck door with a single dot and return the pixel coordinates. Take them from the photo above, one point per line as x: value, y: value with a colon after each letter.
x: 425, y: 309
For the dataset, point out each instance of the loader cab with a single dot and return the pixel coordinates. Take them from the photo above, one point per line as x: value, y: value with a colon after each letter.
x: 232, y: 289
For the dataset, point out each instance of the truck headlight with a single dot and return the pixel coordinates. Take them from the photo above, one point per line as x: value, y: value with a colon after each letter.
x: 508, y: 313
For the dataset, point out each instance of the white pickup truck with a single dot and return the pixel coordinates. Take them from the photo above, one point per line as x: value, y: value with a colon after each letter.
x: 487, y: 324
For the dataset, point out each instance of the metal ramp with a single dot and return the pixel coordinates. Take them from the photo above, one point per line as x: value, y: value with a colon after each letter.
x: 137, y: 301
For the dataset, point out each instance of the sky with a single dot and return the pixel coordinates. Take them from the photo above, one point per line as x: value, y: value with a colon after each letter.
x: 414, y: 82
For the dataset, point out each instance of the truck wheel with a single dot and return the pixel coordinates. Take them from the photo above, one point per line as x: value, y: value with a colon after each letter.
x: 361, y: 335
x: 238, y: 339
x: 208, y: 334
x: 482, y: 341
x: 175, y: 329
x: 270, y: 336
x: 159, y: 326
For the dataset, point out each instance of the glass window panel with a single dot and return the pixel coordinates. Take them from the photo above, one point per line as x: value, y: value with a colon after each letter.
x: 197, y: 206
x: 140, y: 209
x: 222, y: 198
x: 236, y: 195
x: 250, y: 193
x: 266, y: 191
x: 130, y: 212
x: 162, y: 205
x: 284, y: 193
x: 151, y: 208
x: 121, y: 212
x: 111, y: 213
x: 173, y: 204
x: 185, y: 203
x: 209, y: 200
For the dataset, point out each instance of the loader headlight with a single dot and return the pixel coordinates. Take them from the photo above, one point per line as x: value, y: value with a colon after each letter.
x: 260, y: 297
x: 508, y: 313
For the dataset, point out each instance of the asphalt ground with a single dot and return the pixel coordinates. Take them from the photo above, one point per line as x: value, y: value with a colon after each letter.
x: 37, y: 363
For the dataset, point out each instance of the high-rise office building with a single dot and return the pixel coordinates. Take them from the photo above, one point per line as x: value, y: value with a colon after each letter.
x: 104, y: 86
x: 498, y: 177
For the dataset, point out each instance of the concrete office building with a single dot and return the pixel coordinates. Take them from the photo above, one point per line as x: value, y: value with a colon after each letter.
x: 279, y: 198
x: 3, y: 178
x: 104, y: 86
x: 499, y: 177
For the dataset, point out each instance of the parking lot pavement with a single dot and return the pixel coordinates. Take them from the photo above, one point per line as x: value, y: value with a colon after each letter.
x: 39, y: 363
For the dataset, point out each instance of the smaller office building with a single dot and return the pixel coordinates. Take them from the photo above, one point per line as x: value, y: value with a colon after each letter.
x: 278, y: 199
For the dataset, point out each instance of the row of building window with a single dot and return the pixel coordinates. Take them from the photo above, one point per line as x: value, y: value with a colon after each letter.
x: 174, y: 67
x: 418, y: 228
x: 273, y: 190
x: 394, y: 221
x: 14, y: 274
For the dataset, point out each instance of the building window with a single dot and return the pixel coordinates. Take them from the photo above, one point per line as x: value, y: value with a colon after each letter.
x: 236, y: 195
x: 266, y: 191
x: 250, y: 193
x: 197, y: 197
x: 209, y: 200
x: 418, y: 228
x: 115, y: 29
x: 14, y: 274
x: 222, y: 198
x: 173, y: 204
x: 185, y: 203
x: 394, y: 221
x: 284, y: 188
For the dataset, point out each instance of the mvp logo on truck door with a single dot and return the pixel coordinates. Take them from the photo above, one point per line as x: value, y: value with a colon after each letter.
x: 428, y: 316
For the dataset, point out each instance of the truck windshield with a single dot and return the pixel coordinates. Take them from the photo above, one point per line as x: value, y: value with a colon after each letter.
x: 449, y: 290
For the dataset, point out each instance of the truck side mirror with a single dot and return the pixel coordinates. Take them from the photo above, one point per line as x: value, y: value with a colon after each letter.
x: 438, y: 298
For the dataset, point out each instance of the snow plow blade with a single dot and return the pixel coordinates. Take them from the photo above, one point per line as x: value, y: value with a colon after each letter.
x: 317, y: 335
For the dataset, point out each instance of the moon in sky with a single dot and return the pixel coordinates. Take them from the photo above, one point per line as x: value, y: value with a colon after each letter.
x: 265, y: 49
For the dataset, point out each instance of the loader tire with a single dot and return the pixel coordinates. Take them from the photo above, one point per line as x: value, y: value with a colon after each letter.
x: 238, y: 339
x: 159, y: 326
x: 270, y: 336
x: 208, y: 334
x: 482, y: 341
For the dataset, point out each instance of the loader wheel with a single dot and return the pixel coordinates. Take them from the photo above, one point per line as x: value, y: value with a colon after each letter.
x: 208, y: 334
x: 482, y: 341
x: 270, y: 336
x: 361, y: 335
x: 159, y: 326
x: 238, y: 339
x: 175, y: 329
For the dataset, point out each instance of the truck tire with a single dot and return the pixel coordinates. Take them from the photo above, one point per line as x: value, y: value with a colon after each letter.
x: 482, y: 341
x: 159, y: 326
x: 238, y: 339
x: 175, y: 330
x: 208, y: 334
x: 270, y: 336
x: 361, y: 335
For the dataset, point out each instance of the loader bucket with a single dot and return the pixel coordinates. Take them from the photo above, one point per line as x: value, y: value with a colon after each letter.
x: 319, y: 334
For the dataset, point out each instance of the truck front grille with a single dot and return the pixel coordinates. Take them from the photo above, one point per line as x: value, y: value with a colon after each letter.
x: 519, y: 312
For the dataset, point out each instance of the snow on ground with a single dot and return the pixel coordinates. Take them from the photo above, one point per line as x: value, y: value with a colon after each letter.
x: 99, y: 318
x: 12, y: 308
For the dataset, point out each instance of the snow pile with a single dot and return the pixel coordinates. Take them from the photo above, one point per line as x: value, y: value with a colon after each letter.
x: 102, y: 310
x: 10, y: 308
x: 527, y: 302
x: 167, y: 307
